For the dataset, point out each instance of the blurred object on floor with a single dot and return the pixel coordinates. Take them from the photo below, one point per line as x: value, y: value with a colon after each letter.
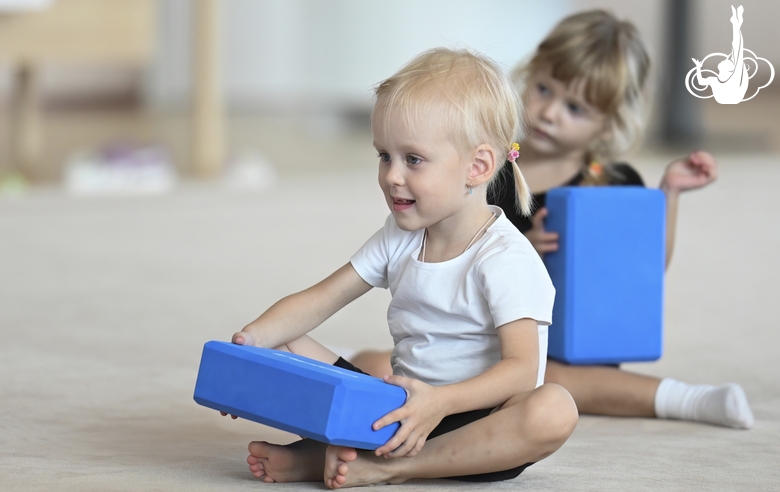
x: 13, y: 185
x: 17, y: 6
x: 249, y: 171
x: 120, y: 169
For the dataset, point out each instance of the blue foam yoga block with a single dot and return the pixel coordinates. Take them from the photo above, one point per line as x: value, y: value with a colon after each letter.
x: 608, y: 274
x: 296, y: 394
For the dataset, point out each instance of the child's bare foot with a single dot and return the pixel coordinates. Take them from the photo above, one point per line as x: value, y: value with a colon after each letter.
x: 301, y: 461
x: 345, y: 467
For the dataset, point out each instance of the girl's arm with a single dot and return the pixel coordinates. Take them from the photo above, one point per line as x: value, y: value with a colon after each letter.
x: 695, y: 171
x: 427, y: 405
x: 298, y: 314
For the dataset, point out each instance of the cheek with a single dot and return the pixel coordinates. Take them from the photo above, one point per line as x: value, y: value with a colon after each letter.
x: 531, y: 106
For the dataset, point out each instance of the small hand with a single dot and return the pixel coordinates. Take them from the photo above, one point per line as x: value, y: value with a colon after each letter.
x: 697, y: 62
x: 542, y: 241
x: 244, y: 338
x: 695, y: 171
x: 420, y: 414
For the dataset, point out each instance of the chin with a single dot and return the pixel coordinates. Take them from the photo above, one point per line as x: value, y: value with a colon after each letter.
x: 542, y: 146
x: 405, y: 225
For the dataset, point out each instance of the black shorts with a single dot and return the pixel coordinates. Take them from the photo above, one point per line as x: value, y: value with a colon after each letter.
x: 456, y: 421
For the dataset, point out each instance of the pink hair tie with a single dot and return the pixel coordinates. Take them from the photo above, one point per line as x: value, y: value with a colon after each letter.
x: 514, y: 153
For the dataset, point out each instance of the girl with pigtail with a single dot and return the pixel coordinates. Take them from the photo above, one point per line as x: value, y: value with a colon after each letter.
x: 584, y: 93
x: 471, y: 299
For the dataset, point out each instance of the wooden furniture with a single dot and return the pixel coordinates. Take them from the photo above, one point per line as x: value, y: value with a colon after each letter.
x: 67, y: 32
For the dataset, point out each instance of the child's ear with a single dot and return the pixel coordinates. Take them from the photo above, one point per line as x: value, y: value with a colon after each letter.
x: 483, y: 165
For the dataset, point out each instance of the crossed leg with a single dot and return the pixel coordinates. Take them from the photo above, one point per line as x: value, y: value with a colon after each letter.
x: 527, y: 428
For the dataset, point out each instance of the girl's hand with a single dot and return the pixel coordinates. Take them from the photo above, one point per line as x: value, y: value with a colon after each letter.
x: 542, y: 241
x: 244, y: 338
x: 421, y: 413
x: 695, y: 171
x: 697, y: 62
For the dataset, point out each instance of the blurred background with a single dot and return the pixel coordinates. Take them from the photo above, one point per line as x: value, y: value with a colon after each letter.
x: 126, y: 96
x: 171, y: 168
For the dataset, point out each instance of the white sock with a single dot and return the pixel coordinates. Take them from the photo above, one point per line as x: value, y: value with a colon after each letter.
x: 724, y: 405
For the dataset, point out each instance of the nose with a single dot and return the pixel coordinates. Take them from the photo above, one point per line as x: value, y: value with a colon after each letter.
x: 391, y: 173
x: 548, y: 111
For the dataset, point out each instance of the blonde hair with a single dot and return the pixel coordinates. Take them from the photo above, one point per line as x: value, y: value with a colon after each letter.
x: 610, y: 57
x: 469, y: 94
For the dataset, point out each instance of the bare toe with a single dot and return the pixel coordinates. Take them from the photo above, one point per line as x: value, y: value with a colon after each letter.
x: 301, y: 461
x: 337, y: 459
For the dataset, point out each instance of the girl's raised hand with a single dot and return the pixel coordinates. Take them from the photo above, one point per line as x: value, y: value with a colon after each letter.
x: 695, y: 171
x: 542, y: 241
x: 421, y: 413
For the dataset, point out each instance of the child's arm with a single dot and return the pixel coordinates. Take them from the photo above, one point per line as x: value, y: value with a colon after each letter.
x: 427, y: 405
x: 298, y: 314
x: 695, y: 171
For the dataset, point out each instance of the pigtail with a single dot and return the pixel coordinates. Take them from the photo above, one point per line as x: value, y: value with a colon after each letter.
x: 523, y: 196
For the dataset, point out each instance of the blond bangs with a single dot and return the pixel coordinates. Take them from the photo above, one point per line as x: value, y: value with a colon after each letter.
x: 578, y: 58
x: 456, y: 88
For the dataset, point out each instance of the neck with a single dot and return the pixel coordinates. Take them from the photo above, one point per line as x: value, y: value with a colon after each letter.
x: 543, y: 172
x: 449, y: 238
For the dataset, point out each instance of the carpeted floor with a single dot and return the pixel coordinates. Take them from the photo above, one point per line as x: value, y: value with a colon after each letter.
x: 105, y: 305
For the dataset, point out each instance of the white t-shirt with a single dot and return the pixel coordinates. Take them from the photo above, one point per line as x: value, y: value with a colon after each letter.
x: 443, y: 316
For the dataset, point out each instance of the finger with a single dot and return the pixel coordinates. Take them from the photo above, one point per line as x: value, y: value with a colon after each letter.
x: 396, y: 415
x: 417, y: 447
x: 703, y: 165
x: 244, y: 338
x: 399, y: 438
x: 223, y: 413
x: 538, y: 220
x: 403, y: 382
x: 547, y: 247
x: 406, y: 447
x: 549, y: 236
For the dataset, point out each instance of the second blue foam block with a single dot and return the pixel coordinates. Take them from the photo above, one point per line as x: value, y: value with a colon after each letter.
x: 608, y: 274
x: 296, y: 394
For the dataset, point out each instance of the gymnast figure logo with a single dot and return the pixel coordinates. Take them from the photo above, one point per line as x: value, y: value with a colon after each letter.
x: 735, y: 70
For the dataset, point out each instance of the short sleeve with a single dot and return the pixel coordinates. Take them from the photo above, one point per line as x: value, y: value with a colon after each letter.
x: 516, y: 285
x: 371, y: 260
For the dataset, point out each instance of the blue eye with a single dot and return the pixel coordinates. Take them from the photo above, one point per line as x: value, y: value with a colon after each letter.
x: 412, y: 160
x: 574, y: 108
x: 384, y: 156
x: 542, y: 89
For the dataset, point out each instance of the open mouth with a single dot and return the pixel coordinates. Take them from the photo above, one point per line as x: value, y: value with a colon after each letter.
x: 402, y: 204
